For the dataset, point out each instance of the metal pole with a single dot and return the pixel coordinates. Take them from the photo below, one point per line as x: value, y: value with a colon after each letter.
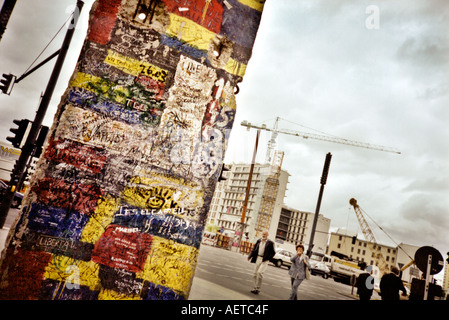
x: 5, y: 14
x: 426, y: 288
x: 23, y: 76
x: 27, y: 149
x: 248, y: 187
x: 320, y: 196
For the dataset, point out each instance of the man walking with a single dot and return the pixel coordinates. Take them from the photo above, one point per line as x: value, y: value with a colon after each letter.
x: 262, y: 253
x: 391, y: 284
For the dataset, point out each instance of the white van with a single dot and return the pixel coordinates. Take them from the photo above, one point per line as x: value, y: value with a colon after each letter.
x: 318, y: 257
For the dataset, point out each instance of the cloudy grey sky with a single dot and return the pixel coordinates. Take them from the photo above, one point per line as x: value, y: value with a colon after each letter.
x: 316, y: 63
x: 334, y: 66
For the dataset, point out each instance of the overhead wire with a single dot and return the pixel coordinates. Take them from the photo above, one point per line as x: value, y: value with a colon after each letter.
x: 51, y: 40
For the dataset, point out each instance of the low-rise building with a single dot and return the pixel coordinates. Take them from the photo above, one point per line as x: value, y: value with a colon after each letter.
x: 353, y: 246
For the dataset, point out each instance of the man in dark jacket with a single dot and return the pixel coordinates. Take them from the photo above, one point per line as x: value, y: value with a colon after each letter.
x: 262, y: 253
x: 390, y: 284
x: 365, y: 284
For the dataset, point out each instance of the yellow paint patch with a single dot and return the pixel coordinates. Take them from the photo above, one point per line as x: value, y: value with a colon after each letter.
x: 190, y: 32
x: 100, y: 219
x: 135, y: 67
x: 170, y: 264
x: 190, y: 194
x: 106, y: 294
x: 62, y: 268
x: 100, y: 86
x: 235, y: 67
x: 255, y: 4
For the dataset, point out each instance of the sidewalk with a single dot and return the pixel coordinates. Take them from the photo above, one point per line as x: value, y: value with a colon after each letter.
x: 3, y: 234
x: 201, y: 290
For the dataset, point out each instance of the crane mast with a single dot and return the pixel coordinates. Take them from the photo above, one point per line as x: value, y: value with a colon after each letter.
x: 369, y: 236
x: 307, y: 135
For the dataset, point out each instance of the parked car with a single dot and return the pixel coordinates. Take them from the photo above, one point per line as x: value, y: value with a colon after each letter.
x: 17, y: 200
x: 282, y: 258
x: 321, y: 269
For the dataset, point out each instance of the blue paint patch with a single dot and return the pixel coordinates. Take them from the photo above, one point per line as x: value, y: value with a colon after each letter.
x: 56, y: 222
x: 158, y: 292
x: 240, y: 24
x: 53, y: 290
x: 110, y: 109
x: 160, y: 223
x: 184, y: 48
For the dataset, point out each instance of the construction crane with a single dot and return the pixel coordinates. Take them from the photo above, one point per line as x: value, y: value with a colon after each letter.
x: 369, y: 236
x: 275, y: 131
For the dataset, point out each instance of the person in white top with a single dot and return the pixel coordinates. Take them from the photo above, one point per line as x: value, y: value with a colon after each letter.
x: 261, y: 254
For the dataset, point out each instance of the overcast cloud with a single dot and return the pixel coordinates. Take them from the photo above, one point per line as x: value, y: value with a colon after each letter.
x: 315, y: 63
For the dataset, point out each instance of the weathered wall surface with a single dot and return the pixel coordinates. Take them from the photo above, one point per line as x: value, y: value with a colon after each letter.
x: 119, y: 200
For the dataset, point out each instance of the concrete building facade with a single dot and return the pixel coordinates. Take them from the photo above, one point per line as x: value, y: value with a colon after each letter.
x: 295, y: 227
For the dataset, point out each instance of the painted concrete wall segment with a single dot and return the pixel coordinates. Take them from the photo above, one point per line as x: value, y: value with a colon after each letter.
x: 118, y: 204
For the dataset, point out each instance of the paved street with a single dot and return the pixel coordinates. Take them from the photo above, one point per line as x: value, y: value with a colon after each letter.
x: 222, y: 274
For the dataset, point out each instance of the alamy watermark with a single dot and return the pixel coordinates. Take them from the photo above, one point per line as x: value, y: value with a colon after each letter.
x: 372, y: 21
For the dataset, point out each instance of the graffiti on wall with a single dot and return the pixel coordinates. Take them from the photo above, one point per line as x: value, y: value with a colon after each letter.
x: 118, y: 204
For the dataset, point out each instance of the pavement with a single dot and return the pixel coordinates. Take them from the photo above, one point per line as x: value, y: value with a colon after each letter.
x: 3, y: 234
x: 201, y: 290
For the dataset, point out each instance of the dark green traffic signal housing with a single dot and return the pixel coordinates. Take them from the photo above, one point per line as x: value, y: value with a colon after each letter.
x: 6, y: 83
x: 18, y: 132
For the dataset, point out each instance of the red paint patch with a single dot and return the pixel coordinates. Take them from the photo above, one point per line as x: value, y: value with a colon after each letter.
x: 24, y: 271
x: 61, y: 194
x: 78, y: 155
x: 103, y: 21
x: 209, y: 15
x: 123, y: 248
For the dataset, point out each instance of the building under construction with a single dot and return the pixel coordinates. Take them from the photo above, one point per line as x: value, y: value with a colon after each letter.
x: 265, y: 200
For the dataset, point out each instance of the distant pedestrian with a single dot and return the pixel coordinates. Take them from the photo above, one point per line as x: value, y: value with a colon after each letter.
x: 298, y: 270
x: 365, y: 284
x: 391, y: 284
x: 262, y: 253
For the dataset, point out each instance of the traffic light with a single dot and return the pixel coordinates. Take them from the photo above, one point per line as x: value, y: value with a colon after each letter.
x: 18, y: 132
x: 40, y: 141
x: 7, y: 82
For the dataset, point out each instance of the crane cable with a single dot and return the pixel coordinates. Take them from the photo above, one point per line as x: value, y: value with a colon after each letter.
x: 386, y: 233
